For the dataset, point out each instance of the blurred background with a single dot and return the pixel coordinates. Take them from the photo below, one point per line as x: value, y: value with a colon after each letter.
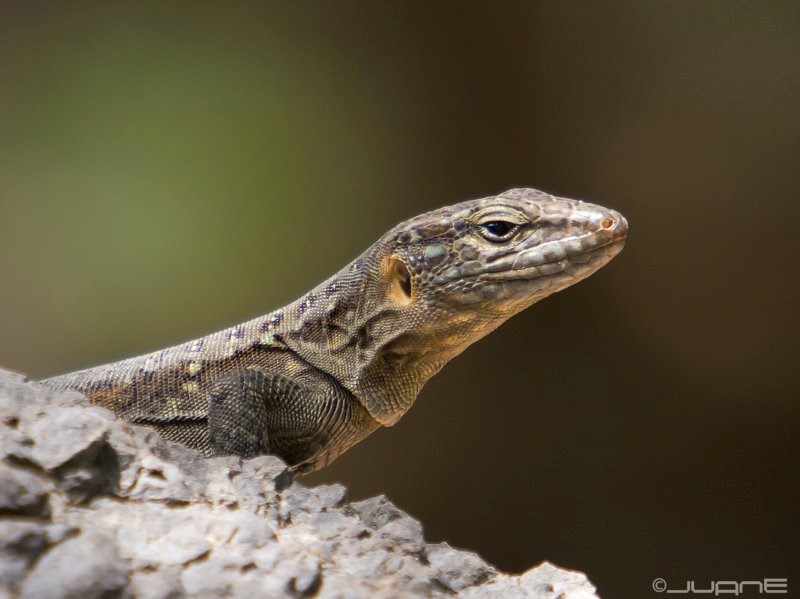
x: 169, y: 169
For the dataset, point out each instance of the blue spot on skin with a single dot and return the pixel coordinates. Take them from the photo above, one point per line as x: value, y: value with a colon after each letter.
x: 435, y: 254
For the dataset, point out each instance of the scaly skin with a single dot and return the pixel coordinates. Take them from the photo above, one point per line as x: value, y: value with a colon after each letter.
x: 309, y: 380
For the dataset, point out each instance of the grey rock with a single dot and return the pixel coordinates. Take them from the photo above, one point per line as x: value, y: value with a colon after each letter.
x: 23, y: 493
x: 162, y: 583
x: 80, y: 428
x: 548, y: 578
x: 86, y: 566
x: 545, y: 581
x: 458, y: 570
x: 393, y: 526
x: 306, y: 579
x: 93, y: 507
x: 378, y: 511
x: 21, y: 543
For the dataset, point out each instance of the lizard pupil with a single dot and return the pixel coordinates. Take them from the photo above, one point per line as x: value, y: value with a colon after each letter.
x: 499, y: 229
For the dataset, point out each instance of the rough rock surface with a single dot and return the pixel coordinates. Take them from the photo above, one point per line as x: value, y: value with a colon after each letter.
x: 92, y: 507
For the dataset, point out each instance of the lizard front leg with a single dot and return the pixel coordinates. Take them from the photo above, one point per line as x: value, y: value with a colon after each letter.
x: 254, y: 412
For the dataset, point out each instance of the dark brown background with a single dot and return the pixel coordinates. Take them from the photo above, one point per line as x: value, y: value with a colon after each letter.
x: 166, y: 171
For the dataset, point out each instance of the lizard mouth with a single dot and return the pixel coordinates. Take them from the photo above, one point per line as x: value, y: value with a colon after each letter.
x: 593, y: 258
x: 590, y: 259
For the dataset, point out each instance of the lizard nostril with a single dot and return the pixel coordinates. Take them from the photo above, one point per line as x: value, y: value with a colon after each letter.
x: 607, y: 223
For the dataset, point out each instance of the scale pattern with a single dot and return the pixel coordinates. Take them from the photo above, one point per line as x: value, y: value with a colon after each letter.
x: 311, y: 379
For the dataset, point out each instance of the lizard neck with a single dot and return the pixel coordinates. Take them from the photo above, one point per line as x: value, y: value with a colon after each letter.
x: 352, y: 328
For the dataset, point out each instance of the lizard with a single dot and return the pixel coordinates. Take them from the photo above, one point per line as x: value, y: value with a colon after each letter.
x: 309, y: 380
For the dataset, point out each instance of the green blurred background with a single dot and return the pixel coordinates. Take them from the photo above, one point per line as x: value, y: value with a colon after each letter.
x: 168, y: 169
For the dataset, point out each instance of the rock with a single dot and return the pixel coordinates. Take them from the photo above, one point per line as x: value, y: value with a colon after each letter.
x: 87, y: 566
x: 23, y: 493
x: 458, y: 570
x: 21, y: 543
x: 93, y: 507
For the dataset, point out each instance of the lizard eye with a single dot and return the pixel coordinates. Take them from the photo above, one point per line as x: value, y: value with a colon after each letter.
x: 498, y: 230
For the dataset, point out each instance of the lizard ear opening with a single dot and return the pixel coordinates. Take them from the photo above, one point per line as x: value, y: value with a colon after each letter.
x: 399, y: 282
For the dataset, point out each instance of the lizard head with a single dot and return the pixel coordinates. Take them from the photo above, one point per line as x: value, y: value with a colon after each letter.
x: 499, y: 255
x: 446, y: 278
